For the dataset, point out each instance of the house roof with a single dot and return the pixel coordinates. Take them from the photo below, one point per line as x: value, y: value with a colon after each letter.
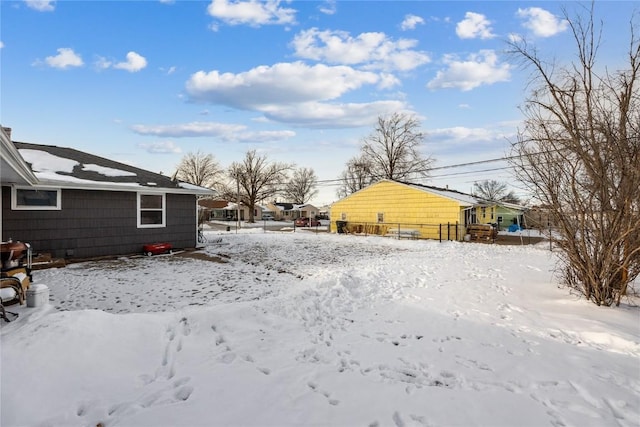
x: 13, y: 168
x: 291, y: 206
x: 284, y: 206
x: 213, y: 204
x: 465, y: 200
x: 68, y: 168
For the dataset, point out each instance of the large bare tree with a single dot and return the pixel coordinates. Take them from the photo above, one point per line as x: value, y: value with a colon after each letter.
x: 494, y: 191
x: 579, y: 154
x: 393, y: 148
x: 199, y: 169
x: 301, y: 187
x: 256, y: 178
x: 357, y: 175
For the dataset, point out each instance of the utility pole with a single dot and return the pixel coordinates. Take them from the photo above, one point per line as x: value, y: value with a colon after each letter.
x: 238, y: 200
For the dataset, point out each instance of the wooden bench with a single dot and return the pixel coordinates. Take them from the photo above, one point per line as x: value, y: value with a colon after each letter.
x: 482, y: 232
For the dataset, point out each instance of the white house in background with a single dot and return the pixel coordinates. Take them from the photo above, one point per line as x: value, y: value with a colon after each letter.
x: 291, y: 211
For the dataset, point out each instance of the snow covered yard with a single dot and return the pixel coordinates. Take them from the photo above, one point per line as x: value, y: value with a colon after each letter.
x: 320, y: 329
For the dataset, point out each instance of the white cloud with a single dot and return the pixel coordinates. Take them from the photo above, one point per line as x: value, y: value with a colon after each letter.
x: 259, y: 136
x: 542, y: 22
x: 410, y: 22
x: 1, y: 44
x: 460, y: 135
x: 333, y: 115
x: 41, y: 5
x: 168, y: 71
x: 296, y: 93
x: 482, y: 68
x: 370, y: 50
x: 134, y: 63
x: 161, y: 147
x: 193, y: 129
x: 254, y: 13
x: 328, y: 7
x: 65, y: 58
x: 515, y: 37
x: 282, y: 83
x: 474, y: 25
x: 223, y: 131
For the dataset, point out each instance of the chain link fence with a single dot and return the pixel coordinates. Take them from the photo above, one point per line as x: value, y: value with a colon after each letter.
x: 446, y: 231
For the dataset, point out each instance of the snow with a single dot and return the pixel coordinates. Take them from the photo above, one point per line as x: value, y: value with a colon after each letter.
x: 43, y: 163
x: 281, y: 328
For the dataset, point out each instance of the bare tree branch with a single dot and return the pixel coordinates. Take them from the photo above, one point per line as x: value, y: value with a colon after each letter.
x: 579, y: 155
x: 199, y: 169
x: 301, y: 187
x: 393, y: 149
x: 257, y: 178
x: 494, y: 191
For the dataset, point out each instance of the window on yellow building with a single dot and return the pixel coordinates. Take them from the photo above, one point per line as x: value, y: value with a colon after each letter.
x: 343, y: 216
x: 380, y: 217
x: 484, y: 212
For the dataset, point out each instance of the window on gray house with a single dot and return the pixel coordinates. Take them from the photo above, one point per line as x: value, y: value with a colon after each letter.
x: 35, y: 199
x: 151, y: 210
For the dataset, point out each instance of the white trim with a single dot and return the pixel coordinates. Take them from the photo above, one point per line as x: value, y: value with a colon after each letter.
x: 16, y: 207
x: 163, y: 209
x: 131, y: 187
x: 14, y: 160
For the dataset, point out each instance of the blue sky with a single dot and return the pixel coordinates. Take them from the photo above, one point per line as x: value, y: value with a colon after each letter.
x: 145, y: 82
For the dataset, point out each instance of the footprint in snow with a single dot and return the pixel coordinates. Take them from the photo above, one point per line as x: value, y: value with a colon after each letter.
x: 315, y: 388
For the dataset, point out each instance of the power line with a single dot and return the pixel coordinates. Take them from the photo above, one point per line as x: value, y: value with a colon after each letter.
x: 458, y: 165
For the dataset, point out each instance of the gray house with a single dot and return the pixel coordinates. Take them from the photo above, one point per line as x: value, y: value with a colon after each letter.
x: 72, y: 204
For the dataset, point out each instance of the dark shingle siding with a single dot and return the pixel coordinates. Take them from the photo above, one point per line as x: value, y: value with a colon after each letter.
x: 97, y: 223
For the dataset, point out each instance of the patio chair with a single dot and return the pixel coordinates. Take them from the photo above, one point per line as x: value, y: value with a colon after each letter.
x: 11, y: 292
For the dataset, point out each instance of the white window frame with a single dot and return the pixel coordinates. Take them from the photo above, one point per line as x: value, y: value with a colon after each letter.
x: 16, y: 207
x: 163, y: 209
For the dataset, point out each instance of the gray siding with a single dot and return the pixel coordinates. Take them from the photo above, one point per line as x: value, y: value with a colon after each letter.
x: 97, y: 223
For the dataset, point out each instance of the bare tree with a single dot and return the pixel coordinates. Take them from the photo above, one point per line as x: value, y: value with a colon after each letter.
x: 494, y: 191
x: 301, y: 187
x: 256, y: 178
x: 393, y: 149
x: 357, y: 175
x: 199, y: 169
x: 579, y: 154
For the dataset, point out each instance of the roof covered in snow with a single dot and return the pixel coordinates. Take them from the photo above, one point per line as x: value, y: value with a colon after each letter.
x: 69, y: 168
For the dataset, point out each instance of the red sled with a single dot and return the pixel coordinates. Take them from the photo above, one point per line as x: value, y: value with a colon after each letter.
x: 156, y: 248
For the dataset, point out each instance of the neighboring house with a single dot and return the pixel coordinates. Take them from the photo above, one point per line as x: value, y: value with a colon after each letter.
x: 323, y: 212
x: 217, y: 209
x: 72, y: 204
x: 539, y: 217
x: 291, y: 211
x: 502, y: 214
x: 223, y: 210
x: 403, y: 209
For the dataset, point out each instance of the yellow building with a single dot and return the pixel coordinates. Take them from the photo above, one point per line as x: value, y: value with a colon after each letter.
x: 404, y: 210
